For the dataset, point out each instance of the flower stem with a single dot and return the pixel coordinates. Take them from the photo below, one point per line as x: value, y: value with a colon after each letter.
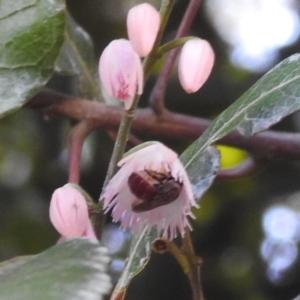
x: 165, y: 11
x: 186, y: 258
x: 181, y: 259
x: 118, y: 151
x: 124, y: 129
x: 121, y: 140
x: 173, y: 44
x: 157, y: 95
x: 194, y: 267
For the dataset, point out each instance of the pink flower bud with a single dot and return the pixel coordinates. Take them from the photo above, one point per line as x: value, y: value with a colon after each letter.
x: 121, y: 71
x: 89, y: 232
x: 195, y: 63
x: 143, y: 22
x: 69, y: 212
x: 151, y: 189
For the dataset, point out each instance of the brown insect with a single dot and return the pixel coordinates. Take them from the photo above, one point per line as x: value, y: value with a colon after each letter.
x: 153, y: 189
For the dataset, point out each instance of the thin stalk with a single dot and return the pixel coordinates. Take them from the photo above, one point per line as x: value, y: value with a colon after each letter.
x: 194, y: 274
x: 181, y: 258
x: 165, y: 11
x: 172, y: 45
x: 121, y: 141
x: 125, y: 125
x: 186, y: 258
x: 97, y: 215
x: 158, y: 93
x: 76, y: 138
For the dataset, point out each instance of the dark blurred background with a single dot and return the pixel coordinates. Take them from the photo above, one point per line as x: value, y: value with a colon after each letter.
x: 247, y: 231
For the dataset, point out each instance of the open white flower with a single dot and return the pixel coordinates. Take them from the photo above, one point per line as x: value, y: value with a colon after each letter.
x: 151, y: 189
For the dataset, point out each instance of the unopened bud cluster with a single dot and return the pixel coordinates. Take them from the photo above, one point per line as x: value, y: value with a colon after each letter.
x: 120, y: 67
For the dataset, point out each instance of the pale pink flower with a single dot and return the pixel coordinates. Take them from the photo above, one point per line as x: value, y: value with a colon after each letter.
x: 143, y: 22
x: 121, y: 71
x: 151, y: 189
x: 69, y: 213
x: 195, y: 64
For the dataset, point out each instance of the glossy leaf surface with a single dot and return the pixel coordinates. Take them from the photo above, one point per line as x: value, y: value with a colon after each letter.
x: 75, y: 269
x: 274, y: 96
x: 138, y: 257
x: 31, y: 35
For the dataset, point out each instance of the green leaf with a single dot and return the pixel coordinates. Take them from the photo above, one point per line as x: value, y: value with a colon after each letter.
x: 139, y: 254
x: 31, y: 35
x: 10, y: 265
x: 204, y: 168
x: 75, y: 269
x: 77, y: 58
x: 274, y: 96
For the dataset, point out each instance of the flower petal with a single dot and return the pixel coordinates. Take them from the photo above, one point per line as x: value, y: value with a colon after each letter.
x: 169, y: 219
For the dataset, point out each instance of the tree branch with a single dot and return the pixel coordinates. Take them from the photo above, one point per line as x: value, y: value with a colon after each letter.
x: 269, y: 145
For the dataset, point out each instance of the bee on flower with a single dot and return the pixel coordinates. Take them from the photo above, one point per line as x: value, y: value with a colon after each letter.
x: 151, y: 189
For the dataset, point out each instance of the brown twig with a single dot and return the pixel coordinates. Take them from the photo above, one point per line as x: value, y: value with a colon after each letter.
x: 194, y: 276
x: 186, y: 258
x: 269, y: 145
x: 158, y: 93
